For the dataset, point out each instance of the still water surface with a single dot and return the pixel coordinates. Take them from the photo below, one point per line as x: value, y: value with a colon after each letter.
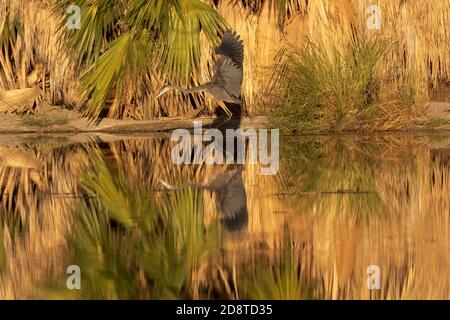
x: 340, y: 206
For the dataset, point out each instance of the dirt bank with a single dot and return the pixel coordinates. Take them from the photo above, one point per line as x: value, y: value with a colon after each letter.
x: 59, y: 120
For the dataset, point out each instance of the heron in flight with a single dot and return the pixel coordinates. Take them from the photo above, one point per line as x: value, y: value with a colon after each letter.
x: 228, y: 74
x: 231, y: 198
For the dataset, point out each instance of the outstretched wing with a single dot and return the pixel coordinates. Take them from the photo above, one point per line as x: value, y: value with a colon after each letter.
x: 231, y: 47
x: 229, y: 76
x: 232, y: 202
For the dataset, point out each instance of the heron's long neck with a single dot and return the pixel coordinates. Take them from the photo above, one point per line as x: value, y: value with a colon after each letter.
x: 198, y: 88
x: 185, y: 186
x: 177, y: 88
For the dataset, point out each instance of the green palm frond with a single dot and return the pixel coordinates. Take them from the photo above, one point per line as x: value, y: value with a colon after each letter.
x: 127, y: 240
x: 112, y: 192
x: 102, y: 254
x: 179, y: 43
x: 151, y: 15
x: 118, y: 41
x: 182, y: 246
x: 99, y: 25
x: 125, y: 57
x: 176, y: 26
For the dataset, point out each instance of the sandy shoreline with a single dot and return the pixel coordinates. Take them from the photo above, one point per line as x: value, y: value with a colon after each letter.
x: 62, y: 121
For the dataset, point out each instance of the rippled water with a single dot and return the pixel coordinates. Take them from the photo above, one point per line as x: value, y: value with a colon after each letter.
x: 340, y: 209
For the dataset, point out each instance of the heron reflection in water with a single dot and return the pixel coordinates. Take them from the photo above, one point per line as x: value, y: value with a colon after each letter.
x: 228, y: 186
x: 231, y: 198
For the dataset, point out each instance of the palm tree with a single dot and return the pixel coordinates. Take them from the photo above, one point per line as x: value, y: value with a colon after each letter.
x: 120, y: 41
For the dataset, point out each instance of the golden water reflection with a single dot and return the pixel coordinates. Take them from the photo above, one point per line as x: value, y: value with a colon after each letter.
x: 338, y: 205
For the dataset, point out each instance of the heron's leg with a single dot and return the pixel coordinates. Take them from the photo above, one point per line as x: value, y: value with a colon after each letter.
x: 225, y: 108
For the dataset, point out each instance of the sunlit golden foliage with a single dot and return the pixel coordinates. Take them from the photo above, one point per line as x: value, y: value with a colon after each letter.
x: 344, y: 202
x: 416, y: 65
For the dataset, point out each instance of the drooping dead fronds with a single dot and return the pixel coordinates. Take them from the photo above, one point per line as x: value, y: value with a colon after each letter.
x: 417, y: 65
x: 20, y: 100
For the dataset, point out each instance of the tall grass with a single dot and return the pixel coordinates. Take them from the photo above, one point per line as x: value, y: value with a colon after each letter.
x: 319, y: 87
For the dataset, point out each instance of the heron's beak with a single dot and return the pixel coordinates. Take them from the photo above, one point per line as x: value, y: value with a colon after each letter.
x: 161, y: 92
x: 159, y: 95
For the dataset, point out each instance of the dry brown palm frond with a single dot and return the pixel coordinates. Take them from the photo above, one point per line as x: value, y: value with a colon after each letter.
x: 20, y: 100
x: 30, y: 50
x: 334, y: 239
x: 19, y: 158
x: 37, y: 75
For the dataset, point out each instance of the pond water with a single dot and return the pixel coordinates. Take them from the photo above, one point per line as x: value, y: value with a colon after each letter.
x: 346, y: 217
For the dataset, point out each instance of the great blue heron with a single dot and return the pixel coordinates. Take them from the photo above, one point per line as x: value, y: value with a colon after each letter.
x: 227, y: 81
x: 231, y: 198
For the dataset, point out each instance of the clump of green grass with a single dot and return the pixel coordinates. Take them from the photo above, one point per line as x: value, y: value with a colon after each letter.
x: 35, y: 121
x: 324, y: 89
x: 436, y: 122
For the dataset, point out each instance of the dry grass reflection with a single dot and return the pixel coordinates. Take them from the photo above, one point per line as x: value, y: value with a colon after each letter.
x: 338, y: 205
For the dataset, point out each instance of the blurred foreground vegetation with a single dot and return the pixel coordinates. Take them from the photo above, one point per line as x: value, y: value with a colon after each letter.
x: 131, y: 243
x: 339, y: 204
